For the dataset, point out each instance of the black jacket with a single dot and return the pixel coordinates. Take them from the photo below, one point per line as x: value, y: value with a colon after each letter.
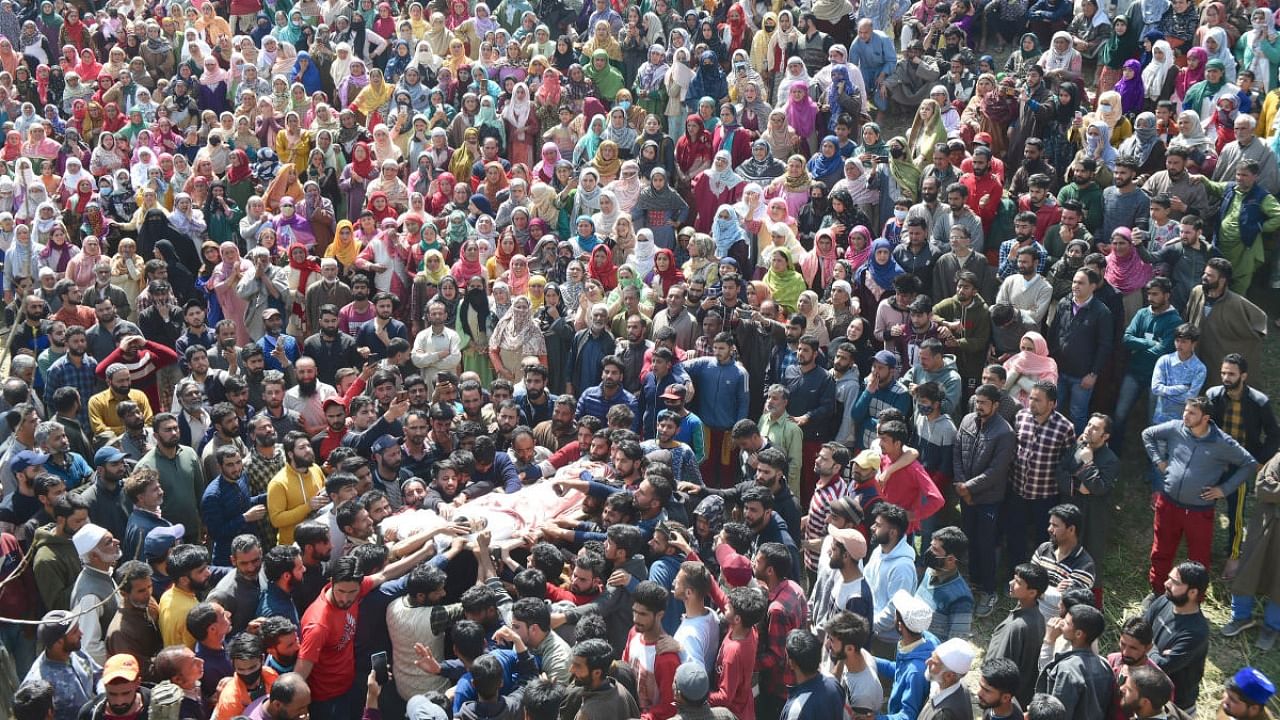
x: 1082, y: 341
x: 1261, y: 433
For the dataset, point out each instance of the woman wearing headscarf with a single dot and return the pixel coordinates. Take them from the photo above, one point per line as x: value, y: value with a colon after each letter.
x: 729, y: 135
x: 1130, y: 89
x: 676, y: 83
x: 1059, y: 114
x: 1145, y: 147
x: 1061, y: 57
x: 826, y: 165
x: 716, y: 186
x: 1191, y: 74
x: 622, y: 134
x: 1203, y: 96
x: 873, y: 281
x: 818, y: 265
x: 1028, y: 53
x: 695, y: 148
x: 521, y: 125
x: 1259, y: 51
x: 1218, y: 48
x: 1214, y: 15
x: 926, y: 132
x: 515, y: 337
x: 660, y: 209
x: 1122, y: 45
x: 785, y: 283
x: 708, y: 81
x: 223, y: 284
x: 556, y: 323
x: 1110, y: 111
x: 650, y: 87
x: 1031, y: 365
x: 606, y: 78
x: 761, y: 167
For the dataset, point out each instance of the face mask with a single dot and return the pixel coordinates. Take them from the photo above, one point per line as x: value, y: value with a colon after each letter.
x: 251, y: 679
x: 1259, y: 26
x: 900, y: 215
x: 1105, y: 108
x: 624, y: 104
x: 933, y: 561
x: 896, y: 152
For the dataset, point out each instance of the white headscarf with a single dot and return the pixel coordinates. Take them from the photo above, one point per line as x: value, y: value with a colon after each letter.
x: 1155, y: 73
x: 1219, y: 35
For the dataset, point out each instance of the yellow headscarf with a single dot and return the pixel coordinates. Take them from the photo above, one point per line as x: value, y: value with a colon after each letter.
x: 344, y: 252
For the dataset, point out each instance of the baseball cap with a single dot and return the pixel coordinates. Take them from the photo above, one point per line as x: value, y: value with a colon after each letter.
x: 53, y: 627
x: 26, y: 459
x: 887, y: 358
x: 120, y: 667
x: 161, y: 540
x: 692, y: 682
x: 332, y: 401
x: 269, y: 312
x: 107, y: 454
x: 674, y: 391
x: 386, y: 442
x: 735, y: 568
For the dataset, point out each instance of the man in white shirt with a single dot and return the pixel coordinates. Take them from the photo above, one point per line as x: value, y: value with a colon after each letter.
x: 437, y: 348
x: 699, y: 631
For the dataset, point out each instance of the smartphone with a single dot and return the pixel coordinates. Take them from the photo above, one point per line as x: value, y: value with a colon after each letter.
x: 402, y: 396
x: 379, y: 662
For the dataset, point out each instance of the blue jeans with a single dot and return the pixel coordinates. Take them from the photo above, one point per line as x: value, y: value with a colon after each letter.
x: 1073, y: 401
x: 1242, y: 609
x: 1132, y: 391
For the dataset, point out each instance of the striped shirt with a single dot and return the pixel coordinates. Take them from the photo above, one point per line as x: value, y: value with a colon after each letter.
x: 1077, y: 566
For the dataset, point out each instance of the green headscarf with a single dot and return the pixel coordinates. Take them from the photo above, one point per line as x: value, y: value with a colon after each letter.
x: 1119, y: 48
x: 1197, y: 94
x: 607, y: 81
x: 904, y: 172
x: 785, y: 286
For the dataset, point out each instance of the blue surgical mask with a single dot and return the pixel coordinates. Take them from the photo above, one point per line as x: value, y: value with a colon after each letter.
x: 1105, y: 108
x: 624, y: 104
x: 900, y: 215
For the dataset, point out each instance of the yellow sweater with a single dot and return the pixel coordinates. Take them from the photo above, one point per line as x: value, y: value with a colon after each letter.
x: 287, y: 496
x: 175, y: 603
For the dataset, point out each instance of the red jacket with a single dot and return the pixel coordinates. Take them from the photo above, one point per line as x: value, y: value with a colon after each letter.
x: 987, y: 186
x: 1047, y: 215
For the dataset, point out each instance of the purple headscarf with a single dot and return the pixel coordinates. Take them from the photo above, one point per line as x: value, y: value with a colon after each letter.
x: 1131, y: 91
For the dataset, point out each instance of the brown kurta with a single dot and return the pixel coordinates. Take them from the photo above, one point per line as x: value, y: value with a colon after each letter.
x: 1261, y: 554
x: 1234, y: 325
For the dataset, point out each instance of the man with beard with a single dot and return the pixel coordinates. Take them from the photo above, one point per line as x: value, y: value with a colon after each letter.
x: 624, y: 549
x: 103, y: 494
x: 1187, y: 195
x: 1123, y: 203
x: 1180, y: 630
x: 104, y: 415
x: 76, y: 369
x: 160, y: 322
x: 787, y: 610
x: 507, y: 416
x: 181, y: 474
x: 416, y: 457
x: 376, y: 334
x: 984, y: 189
x: 335, y: 418
x: 283, y: 569
x: 721, y: 402
x: 330, y: 348
x: 1078, y: 677
x: 472, y: 398
x: 103, y: 336
x: 560, y: 430
x: 959, y: 211
x: 386, y: 459
x: 437, y: 348
x: 330, y: 291
x: 590, y: 347
x: 596, y: 401
x: 188, y: 567
x: 278, y: 349
x: 594, y: 693
x: 224, y: 431
x: 273, y: 397
x: 280, y: 638
x: 142, y: 489
x: 227, y: 505
x: 1024, y: 227
x: 253, y: 370
x: 1033, y: 163
x: 930, y: 208
x: 1064, y: 558
x: 1228, y: 322
x: 1142, y: 693
x: 297, y: 489
x: 210, y: 623
x: 1027, y: 291
x: 326, y: 659
x: 360, y: 310
x: 55, y: 560
x: 947, y: 665
x: 32, y: 336
x: 195, y: 331
x: 1135, y: 645
x: 632, y: 351
x: 123, y: 694
x: 251, y: 678
x: 1197, y: 464
x: 133, y: 629
x: 263, y: 461
x: 212, y: 381
x: 102, y: 288
x: 534, y: 402
x: 997, y: 686
x: 193, y: 416
x: 99, y: 551
x: 144, y: 359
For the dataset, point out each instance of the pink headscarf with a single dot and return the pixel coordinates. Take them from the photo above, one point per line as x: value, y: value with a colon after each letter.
x: 1129, y: 273
x: 1036, y: 364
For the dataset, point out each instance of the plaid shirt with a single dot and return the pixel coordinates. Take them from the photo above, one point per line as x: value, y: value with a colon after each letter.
x: 1232, y: 422
x: 259, y: 471
x: 1040, y: 448
x: 788, y: 610
x: 84, y: 379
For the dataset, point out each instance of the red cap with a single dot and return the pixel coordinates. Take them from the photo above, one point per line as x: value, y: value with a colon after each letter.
x: 735, y: 568
x: 335, y: 400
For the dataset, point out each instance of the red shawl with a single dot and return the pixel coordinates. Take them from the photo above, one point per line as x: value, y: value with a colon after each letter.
x: 608, y: 274
x: 691, y: 150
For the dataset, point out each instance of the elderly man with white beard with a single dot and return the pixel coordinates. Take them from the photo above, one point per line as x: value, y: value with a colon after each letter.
x: 99, y: 552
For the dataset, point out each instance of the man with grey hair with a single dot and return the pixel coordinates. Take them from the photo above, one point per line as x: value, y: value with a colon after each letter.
x: 1247, y: 146
x: 193, y: 415
x: 266, y: 287
x: 102, y: 287
x: 591, y: 345
x: 71, y: 467
x: 23, y: 367
x: 99, y: 551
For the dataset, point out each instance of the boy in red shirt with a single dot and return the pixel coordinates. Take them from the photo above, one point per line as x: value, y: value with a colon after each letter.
x: 652, y: 654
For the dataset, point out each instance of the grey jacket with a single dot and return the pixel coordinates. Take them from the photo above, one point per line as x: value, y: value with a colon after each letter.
x: 1082, y: 681
x: 983, y: 457
x: 1196, y: 464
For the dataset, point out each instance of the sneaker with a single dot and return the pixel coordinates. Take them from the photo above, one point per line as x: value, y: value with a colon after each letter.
x: 1235, y: 627
x: 985, y: 605
x: 1266, y: 639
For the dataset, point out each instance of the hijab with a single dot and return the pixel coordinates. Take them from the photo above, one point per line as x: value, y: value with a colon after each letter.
x: 882, y: 274
x: 721, y: 181
x: 786, y: 285
x: 1155, y: 73
x: 1036, y: 363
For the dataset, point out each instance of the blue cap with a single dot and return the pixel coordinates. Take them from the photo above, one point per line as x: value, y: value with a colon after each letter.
x: 887, y: 358
x: 1253, y: 686
x: 106, y: 455
x: 386, y: 442
x: 161, y: 540
x: 26, y: 459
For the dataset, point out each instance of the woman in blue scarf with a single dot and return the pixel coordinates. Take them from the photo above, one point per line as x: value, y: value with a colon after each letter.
x: 826, y: 164
x: 726, y: 230
x: 400, y: 59
x: 709, y: 81
x: 306, y: 72
x: 586, y: 240
x: 874, y: 280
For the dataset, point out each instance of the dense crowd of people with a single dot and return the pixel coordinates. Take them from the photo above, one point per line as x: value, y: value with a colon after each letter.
x: 592, y: 360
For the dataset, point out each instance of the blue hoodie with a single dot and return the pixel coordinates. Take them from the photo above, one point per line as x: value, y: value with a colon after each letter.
x: 910, y: 684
